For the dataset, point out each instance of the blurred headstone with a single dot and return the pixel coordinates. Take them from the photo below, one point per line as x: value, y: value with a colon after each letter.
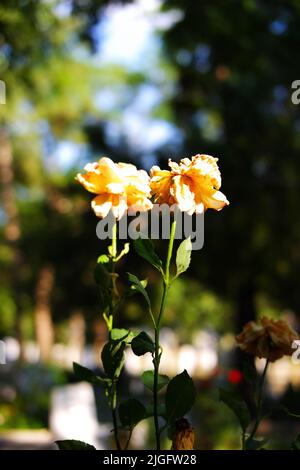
x: 12, y: 349
x: 2, y: 352
x: 76, y: 337
x: 31, y: 352
x: 206, y: 353
x: 73, y: 415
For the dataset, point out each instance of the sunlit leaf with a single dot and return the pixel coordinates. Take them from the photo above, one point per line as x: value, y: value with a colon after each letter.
x: 183, y: 256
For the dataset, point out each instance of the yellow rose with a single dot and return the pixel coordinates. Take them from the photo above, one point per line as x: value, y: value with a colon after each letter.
x: 270, y: 339
x: 184, y: 436
x: 119, y: 187
x: 193, y: 185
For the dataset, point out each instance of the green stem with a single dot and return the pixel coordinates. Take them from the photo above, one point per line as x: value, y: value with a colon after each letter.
x: 128, y: 440
x: 259, y: 401
x: 114, y: 413
x: 243, y: 440
x: 157, y: 352
x: 170, y: 251
x: 114, y: 240
x: 156, y: 361
x: 113, y: 390
x: 113, y: 265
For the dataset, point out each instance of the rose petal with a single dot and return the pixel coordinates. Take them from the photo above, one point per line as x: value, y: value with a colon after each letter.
x: 102, y: 204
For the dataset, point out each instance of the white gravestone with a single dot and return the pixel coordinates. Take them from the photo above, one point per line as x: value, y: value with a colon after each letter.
x: 73, y: 415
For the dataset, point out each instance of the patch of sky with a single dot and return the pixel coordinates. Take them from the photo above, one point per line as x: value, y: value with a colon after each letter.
x: 148, y: 161
x: 126, y: 35
x: 108, y: 99
x: 62, y: 155
x: 141, y: 133
x: 63, y: 8
x: 143, y: 99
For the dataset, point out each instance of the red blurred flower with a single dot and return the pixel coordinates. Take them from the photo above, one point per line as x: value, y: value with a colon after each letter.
x: 235, y: 376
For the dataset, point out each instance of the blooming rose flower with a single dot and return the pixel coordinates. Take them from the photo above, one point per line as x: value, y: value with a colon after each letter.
x: 184, y: 436
x: 271, y: 339
x: 119, y: 187
x: 193, y: 185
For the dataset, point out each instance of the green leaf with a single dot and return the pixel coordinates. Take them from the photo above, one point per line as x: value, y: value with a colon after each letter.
x: 113, y: 358
x: 148, y: 380
x: 144, y: 248
x: 103, y: 259
x: 83, y: 373
x: 142, y: 344
x: 131, y: 412
x: 137, y: 285
x: 72, y: 444
x: 119, y: 334
x: 255, y: 444
x: 180, y: 396
x: 296, y: 443
x: 183, y: 256
x: 237, y: 406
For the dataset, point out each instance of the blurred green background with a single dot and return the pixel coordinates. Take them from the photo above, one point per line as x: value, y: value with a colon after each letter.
x: 142, y: 81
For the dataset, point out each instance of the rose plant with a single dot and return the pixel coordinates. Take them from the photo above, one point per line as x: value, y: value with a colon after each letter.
x: 268, y: 339
x: 192, y: 186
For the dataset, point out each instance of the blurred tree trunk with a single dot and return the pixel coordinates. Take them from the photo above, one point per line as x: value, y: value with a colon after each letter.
x: 100, y: 337
x: 12, y: 230
x: 76, y: 335
x: 44, y: 329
